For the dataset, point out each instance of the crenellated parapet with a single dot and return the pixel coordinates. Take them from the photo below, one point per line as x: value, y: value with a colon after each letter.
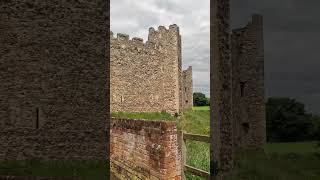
x: 146, y: 76
x: 164, y: 34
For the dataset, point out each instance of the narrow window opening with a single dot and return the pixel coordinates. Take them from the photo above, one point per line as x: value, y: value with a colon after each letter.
x: 242, y: 84
x: 37, y: 119
x: 187, y: 101
x: 245, y: 127
x: 185, y: 89
x: 121, y: 98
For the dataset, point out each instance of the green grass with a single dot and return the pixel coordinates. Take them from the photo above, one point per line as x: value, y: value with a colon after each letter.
x: 275, y: 166
x: 293, y: 147
x: 142, y: 115
x: 81, y: 169
x: 197, y: 121
x: 281, y: 161
x: 201, y: 108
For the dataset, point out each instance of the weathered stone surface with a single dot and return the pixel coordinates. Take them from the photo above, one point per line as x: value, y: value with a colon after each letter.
x: 147, y: 77
x: 221, y: 88
x: 145, y: 149
x: 248, y: 86
x: 187, y: 88
x: 54, y: 79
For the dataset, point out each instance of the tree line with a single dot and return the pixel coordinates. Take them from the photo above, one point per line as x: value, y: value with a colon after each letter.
x: 287, y: 119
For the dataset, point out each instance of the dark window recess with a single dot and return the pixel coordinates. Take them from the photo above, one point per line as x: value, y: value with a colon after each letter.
x: 245, y: 127
x: 37, y: 119
x: 185, y: 89
x: 187, y: 101
x: 242, y: 84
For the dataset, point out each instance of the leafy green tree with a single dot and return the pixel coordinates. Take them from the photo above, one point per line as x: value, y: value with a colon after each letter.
x: 200, y: 99
x: 287, y: 120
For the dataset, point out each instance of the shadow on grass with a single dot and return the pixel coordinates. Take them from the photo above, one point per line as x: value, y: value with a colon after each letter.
x: 75, y: 169
x: 275, y: 166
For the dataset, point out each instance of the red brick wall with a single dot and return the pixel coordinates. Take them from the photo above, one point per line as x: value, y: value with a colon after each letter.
x: 144, y: 149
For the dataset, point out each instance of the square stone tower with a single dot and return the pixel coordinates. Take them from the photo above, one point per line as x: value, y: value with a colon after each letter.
x: 54, y: 76
x: 187, y: 88
x: 248, y: 86
x: 146, y: 77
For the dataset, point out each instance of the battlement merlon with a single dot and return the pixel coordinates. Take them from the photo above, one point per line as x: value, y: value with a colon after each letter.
x: 188, y: 71
x: 162, y: 33
x: 257, y: 19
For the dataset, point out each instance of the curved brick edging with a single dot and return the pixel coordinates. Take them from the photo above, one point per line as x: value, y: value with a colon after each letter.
x: 144, y: 149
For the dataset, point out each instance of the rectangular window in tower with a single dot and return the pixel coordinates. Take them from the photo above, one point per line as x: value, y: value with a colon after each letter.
x: 37, y: 118
x: 242, y: 85
x: 245, y: 127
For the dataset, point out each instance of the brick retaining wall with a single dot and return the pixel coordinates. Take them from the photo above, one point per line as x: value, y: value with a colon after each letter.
x: 144, y: 149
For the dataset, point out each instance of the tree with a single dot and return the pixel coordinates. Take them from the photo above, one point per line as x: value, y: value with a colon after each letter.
x: 287, y: 120
x: 200, y: 99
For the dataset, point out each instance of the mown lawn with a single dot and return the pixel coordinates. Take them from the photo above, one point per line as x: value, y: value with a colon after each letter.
x: 281, y: 161
x: 80, y: 169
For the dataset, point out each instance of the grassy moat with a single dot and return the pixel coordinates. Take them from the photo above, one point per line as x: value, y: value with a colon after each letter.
x: 282, y: 161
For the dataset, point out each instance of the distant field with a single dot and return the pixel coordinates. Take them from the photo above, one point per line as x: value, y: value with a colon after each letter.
x: 199, y: 108
x: 298, y: 147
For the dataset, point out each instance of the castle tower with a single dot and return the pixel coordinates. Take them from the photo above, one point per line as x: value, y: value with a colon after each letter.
x: 248, y: 86
x: 187, y: 88
x: 146, y: 77
x: 169, y: 41
x: 54, y: 88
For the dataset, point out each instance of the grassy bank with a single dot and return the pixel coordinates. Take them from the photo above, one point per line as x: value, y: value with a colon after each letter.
x: 142, y: 115
x: 81, y: 169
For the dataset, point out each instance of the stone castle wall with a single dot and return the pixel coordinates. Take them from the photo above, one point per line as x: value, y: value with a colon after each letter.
x: 147, y: 77
x: 248, y: 86
x: 187, y: 88
x: 54, y: 79
x: 145, y: 149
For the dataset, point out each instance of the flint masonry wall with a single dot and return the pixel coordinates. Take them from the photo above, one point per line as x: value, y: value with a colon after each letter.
x: 144, y: 149
x: 248, y: 86
x: 54, y: 79
x: 146, y: 77
x: 221, y: 148
x: 187, y: 88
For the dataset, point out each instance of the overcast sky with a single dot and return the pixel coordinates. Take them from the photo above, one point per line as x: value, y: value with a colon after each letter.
x: 134, y: 17
x: 292, y: 35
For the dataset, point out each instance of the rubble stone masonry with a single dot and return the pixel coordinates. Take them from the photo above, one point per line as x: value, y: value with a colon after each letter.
x: 145, y: 149
x: 249, y: 126
x: 147, y: 76
x: 187, y: 88
x: 54, y: 79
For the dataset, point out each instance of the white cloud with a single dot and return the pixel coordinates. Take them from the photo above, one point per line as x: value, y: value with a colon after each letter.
x: 134, y: 18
